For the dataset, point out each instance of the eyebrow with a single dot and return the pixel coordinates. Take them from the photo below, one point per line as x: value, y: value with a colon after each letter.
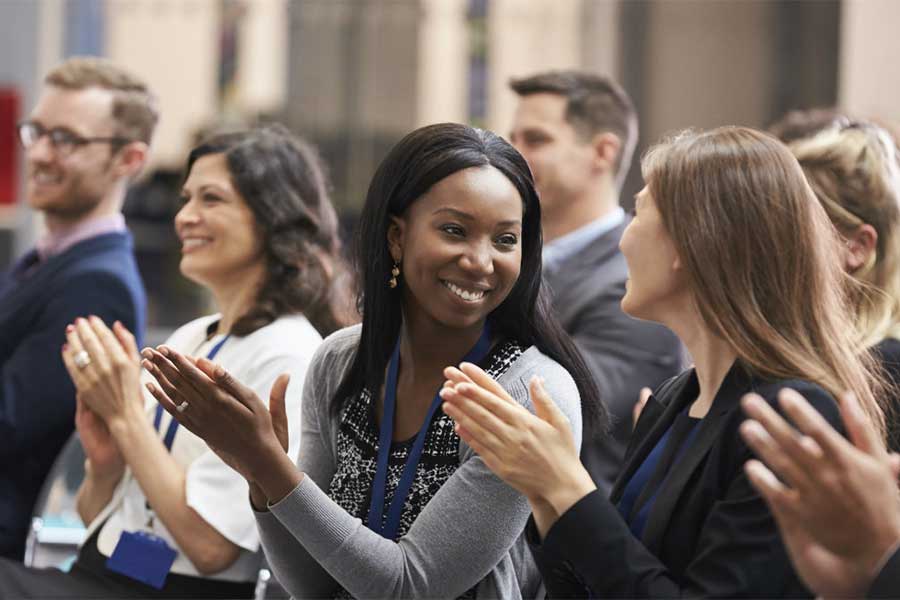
x: 207, y: 187
x: 467, y: 217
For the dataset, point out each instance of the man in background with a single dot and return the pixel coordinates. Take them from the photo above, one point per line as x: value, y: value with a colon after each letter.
x: 88, y: 136
x: 578, y: 132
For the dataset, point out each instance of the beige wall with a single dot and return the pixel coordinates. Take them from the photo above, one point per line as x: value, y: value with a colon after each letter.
x: 173, y: 45
x: 526, y: 37
x: 707, y: 64
x: 869, y: 75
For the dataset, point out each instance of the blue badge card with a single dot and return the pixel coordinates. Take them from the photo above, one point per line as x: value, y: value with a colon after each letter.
x: 142, y: 556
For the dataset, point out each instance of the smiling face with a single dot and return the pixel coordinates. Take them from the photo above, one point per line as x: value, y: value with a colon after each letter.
x: 217, y: 229
x: 656, y: 283
x: 68, y: 186
x: 460, y: 248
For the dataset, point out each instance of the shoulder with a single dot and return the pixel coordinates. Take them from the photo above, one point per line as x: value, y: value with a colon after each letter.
x: 335, y: 354
x: 290, y: 336
x: 192, y: 330
x: 557, y: 381
x: 815, y: 394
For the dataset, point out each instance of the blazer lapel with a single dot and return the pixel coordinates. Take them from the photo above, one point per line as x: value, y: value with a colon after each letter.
x: 736, y: 382
x: 655, y: 420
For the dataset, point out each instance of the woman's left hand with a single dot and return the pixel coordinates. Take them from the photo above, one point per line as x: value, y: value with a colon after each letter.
x: 228, y: 416
x: 105, y: 369
x: 535, y: 454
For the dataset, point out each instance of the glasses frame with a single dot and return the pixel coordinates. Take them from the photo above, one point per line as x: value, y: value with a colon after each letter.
x: 67, y: 146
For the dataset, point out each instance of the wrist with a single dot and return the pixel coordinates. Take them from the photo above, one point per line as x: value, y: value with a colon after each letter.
x: 278, y: 477
x: 575, y: 486
x: 126, y: 424
x: 105, y: 477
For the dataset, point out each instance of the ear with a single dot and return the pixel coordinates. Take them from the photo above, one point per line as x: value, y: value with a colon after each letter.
x: 860, y: 247
x: 395, y: 235
x: 606, y: 148
x: 131, y: 159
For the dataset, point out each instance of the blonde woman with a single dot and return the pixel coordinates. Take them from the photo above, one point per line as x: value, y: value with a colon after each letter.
x: 730, y: 249
x: 854, y: 171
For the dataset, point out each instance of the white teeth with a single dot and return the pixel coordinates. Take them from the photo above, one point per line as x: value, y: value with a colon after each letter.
x: 44, y: 178
x: 193, y: 242
x: 464, y: 294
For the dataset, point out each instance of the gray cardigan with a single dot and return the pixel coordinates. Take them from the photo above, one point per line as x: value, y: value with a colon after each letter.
x: 471, y: 531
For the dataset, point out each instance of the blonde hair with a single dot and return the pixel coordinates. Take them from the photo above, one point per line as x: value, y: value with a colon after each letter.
x: 760, y: 255
x: 134, y: 106
x: 854, y: 171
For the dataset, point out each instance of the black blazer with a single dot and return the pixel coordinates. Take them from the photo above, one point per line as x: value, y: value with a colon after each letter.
x: 708, y: 534
x: 624, y: 354
x: 887, y: 583
x: 97, y: 276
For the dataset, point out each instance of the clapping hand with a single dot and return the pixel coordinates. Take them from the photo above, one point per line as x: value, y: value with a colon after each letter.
x: 228, y: 416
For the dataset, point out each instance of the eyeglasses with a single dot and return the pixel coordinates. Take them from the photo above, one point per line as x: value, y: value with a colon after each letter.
x: 63, y: 141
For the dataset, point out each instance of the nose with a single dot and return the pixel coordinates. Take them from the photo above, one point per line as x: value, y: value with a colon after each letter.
x: 187, y: 215
x: 478, y: 259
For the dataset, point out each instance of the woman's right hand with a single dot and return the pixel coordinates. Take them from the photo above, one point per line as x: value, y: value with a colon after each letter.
x: 249, y: 436
x: 100, y: 447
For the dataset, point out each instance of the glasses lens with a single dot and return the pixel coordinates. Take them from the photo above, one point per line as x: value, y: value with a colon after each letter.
x: 62, y: 140
x: 28, y: 134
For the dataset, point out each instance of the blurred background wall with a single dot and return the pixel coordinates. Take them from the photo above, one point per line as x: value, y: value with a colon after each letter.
x: 354, y: 75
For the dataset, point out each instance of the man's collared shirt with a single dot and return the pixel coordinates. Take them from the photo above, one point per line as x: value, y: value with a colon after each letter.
x: 570, y: 244
x: 52, y: 244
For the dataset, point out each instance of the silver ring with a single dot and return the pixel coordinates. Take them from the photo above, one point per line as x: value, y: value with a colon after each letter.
x: 82, y: 359
x: 182, y: 407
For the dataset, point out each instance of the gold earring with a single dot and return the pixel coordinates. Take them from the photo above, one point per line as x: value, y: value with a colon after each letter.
x: 395, y: 273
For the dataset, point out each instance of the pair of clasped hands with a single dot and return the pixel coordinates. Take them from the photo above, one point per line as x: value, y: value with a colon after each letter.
x: 105, y: 366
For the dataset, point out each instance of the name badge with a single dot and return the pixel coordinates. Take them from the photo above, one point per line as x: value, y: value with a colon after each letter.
x: 142, y: 556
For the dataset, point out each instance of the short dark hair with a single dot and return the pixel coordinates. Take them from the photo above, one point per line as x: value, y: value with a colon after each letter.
x: 134, y: 106
x: 282, y: 180
x: 420, y: 160
x: 594, y: 104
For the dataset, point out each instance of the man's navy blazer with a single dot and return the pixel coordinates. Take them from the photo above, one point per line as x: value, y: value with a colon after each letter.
x: 708, y: 533
x: 97, y: 276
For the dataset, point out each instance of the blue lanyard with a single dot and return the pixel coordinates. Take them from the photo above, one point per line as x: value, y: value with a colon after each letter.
x: 173, y: 424
x: 379, y: 485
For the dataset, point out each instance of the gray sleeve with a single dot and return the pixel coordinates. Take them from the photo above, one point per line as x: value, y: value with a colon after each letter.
x: 297, y: 571
x: 462, y: 533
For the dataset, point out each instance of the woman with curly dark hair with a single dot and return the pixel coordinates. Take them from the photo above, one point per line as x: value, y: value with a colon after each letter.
x: 166, y: 516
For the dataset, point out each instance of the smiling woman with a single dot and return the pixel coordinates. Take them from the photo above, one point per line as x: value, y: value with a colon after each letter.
x: 386, y: 501
x: 167, y: 516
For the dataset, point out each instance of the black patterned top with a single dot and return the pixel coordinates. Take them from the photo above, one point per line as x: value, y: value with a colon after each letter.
x: 357, y: 455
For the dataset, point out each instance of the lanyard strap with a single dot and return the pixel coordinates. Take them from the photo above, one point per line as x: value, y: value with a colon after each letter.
x: 169, y: 439
x: 379, y: 485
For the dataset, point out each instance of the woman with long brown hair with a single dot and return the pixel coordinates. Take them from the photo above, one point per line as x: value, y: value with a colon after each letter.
x: 730, y: 249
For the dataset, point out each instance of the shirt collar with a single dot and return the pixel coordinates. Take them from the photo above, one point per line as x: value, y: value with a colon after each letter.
x: 51, y: 244
x: 572, y: 243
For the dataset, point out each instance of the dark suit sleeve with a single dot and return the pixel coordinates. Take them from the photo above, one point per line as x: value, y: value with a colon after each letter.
x: 623, y: 353
x: 37, y: 398
x: 591, y: 551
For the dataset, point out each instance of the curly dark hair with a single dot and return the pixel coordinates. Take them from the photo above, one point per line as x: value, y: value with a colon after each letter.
x: 282, y: 180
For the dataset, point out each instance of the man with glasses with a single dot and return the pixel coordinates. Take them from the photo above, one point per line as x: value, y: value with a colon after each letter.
x: 87, y: 137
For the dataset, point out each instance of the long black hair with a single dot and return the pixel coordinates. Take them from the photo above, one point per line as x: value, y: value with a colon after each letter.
x: 417, y: 162
x: 282, y: 180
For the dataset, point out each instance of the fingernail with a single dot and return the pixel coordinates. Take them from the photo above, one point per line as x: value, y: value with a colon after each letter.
x: 65, y: 347
x: 164, y: 351
x: 70, y: 328
x: 80, y: 321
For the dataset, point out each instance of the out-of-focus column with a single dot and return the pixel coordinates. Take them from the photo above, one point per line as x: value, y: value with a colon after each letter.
x: 869, y: 76
x: 173, y: 45
x: 442, y: 82
x: 524, y: 38
x: 263, y: 57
